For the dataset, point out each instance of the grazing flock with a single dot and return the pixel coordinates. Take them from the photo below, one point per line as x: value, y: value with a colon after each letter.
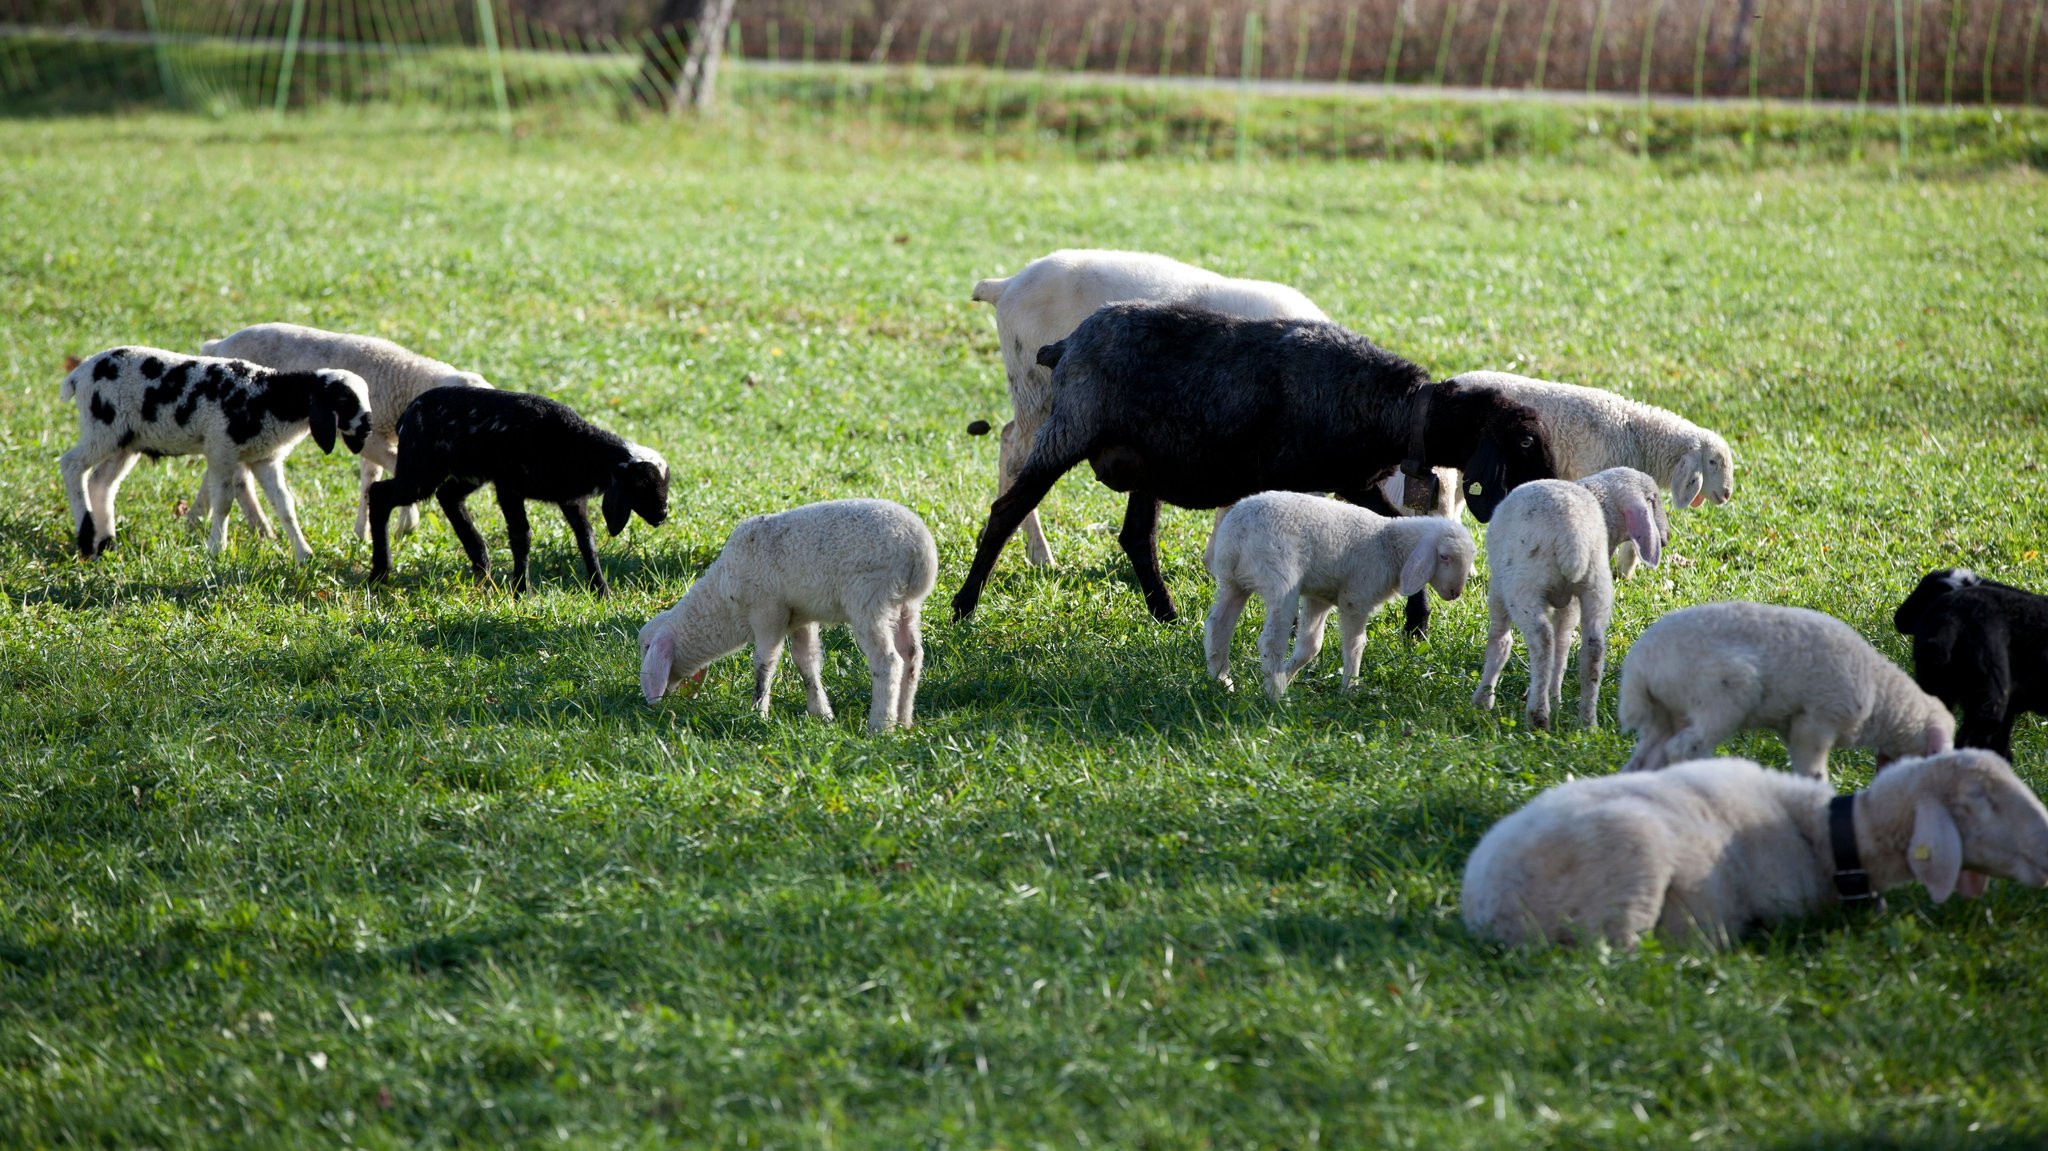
x: 1179, y: 386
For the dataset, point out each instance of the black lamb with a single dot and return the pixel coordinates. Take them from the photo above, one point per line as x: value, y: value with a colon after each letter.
x: 1981, y: 646
x: 454, y: 440
x: 1199, y: 409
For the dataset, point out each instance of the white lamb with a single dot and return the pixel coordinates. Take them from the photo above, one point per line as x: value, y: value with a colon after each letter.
x: 1045, y: 302
x: 244, y: 418
x: 1701, y: 674
x: 1307, y: 556
x: 395, y: 375
x: 1548, y: 548
x: 866, y: 563
x: 1715, y: 847
x: 1592, y: 430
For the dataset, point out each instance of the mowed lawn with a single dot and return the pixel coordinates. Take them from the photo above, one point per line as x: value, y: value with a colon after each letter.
x: 284, y: 859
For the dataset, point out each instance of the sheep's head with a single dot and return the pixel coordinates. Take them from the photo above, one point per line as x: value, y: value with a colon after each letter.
x: 1972, y: 819
x: 1933, y: 586
x: 1707, y: 472
x: 1635, y: 507
x: 659, y: 674
x: 1443, y: 558
x: 340, y: 405
x: 639, y: 486
x: 1510, y: 447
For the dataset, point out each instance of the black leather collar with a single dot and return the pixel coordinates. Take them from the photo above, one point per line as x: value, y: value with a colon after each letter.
x: 1852, y: 883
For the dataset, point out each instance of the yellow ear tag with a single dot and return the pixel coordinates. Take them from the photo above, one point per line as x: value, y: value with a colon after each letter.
x: 1922, y: 852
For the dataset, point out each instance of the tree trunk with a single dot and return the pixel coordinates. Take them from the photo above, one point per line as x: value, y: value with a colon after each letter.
x: 699, y: 79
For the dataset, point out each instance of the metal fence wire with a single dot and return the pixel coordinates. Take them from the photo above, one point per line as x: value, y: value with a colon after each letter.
x: 990, y: 66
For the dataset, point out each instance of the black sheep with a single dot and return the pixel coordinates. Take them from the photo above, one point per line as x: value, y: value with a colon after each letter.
x: 1199, y: 409
x: 454, y: 440
x: 1981, y: 646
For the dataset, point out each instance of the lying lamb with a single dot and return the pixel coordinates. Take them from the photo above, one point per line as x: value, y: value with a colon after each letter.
x: 1306, y: 556
x: 395, y: 375
x: 1699, y: 675
x: 1715, y: 847
x: 453, y: 441
x: 245, y: 419
x: 1547, y: 548
x: 1198, y: 409
x: 866, y: 563
x: 1046, y: 301
x: 1981, y: 646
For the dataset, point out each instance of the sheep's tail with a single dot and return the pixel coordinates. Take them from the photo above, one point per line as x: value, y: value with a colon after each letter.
x: 990, y: 291
x: 1635, y: 709
x: 69, y: 390
x: 1049, y: 355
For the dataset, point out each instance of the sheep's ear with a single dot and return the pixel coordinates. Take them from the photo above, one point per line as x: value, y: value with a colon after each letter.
x: 1936, y: 855
x: 1689, y: 481
x: 661, y: 652
x: 618, y: 510
x: 1641, y: 524
x: 320, y: 418
x: 1420, y: 566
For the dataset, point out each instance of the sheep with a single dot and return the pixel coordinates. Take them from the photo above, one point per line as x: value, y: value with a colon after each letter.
x: 865, y: 563
x: 452, y: 441
x: 1307, y: 556
x: 244, y: 418
x: 395, y: 375
x: 1548, y: 548
x: 1712, y: 848
x: 1699, y: 675
x: 1981, y: 646
x: 1046, y: 301
x: 1187, y: 406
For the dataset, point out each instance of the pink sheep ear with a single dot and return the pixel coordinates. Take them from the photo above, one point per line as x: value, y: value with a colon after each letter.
x: 1689, y: 481
x: 1420, y: 566
x: 661, y: 654
x: 1641, y: 525
x: 1936, y: 854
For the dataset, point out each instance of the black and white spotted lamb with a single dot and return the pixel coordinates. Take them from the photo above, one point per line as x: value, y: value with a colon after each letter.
x: 245, y: 419
x: 454, y: 440
x: 1981, y: 646
x: 1177, y: 404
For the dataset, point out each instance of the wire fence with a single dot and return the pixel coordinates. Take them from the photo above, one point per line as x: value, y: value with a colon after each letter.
x: 1127, y: 81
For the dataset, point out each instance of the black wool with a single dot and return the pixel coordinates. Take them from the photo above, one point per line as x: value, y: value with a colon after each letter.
x: 1981, y: 646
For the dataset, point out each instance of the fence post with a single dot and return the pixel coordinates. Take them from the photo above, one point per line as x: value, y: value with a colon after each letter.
x: 1899, y: 51
x: 1593, y: 60
x: 291, y: 50
x: 1643, y: 78
x: 1991, y: 48
x: 163, y: 58
x: 487, y: 27
x: 1251, y: 62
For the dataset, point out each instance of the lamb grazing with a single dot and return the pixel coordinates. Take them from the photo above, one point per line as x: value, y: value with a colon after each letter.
x: 1292, y: 549
x: 1548, y: 547
x: 452, y: 441
x: 245, y: 419
x: 1046, y: 301
x: 1981, y: 646
x: 865, y: 563
x: 395, y: 375
x: 1699, y: 675
x: 1712, y: 848
x: 1191, y: 407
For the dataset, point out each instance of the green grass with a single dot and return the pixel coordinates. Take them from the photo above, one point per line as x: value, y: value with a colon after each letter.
x: 283, y: 859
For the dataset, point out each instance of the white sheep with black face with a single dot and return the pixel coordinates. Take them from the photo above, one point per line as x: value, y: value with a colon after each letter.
x: 244, y: 418
x: 1306, y: 557
x: 868, y: 564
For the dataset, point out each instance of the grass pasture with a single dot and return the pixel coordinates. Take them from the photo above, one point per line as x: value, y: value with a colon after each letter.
x: 284, y: 860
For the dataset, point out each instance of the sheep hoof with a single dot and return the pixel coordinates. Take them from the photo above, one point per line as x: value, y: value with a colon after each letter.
x: 1483, y: 700
x: 1538, y: 720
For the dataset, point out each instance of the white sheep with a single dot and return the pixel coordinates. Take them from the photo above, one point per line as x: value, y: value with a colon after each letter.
x: 1547, y: 550
x: 242, y: 417
x: 1701, y: 674
x: 1714, y: 847
x: 1307, y: 556
x: 865, y: 563
x: 1048, y: 299
x: 1592, y: 430
x: 395, y: 375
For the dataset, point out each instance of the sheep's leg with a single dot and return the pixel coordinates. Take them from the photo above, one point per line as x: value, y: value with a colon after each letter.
x: 1500, y: 644
x: 1807, y: 743
x: 1308, y: 633
x: 909, y: 645
x: 1221, y: 625
x: 809, y: 651
x: 1209, y: 549
x: 586, y: 543
x: 1625, y: 558
x: 1011, y: 450
x: 872, y: 631
x: 220, y: 498
x: 1596, y: 608
x: 100, y: 492
x: 1695, y: 739
x: 1280, y: 616
x: 1351, y: 621
x: 1415, y: 617
x: 245, y: 495
x: 401, y: 490
x: 76, y: 465
x: 518, y: 533
x: 1540, y: 635
x: 1987, y: 724
x: 1567, y: 618
x: 769, y: 626
x: 1003, y: 517
x: 450, y: 495
x: 270, y: 474
x: 380, y: 455
x: 1140, y: 540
